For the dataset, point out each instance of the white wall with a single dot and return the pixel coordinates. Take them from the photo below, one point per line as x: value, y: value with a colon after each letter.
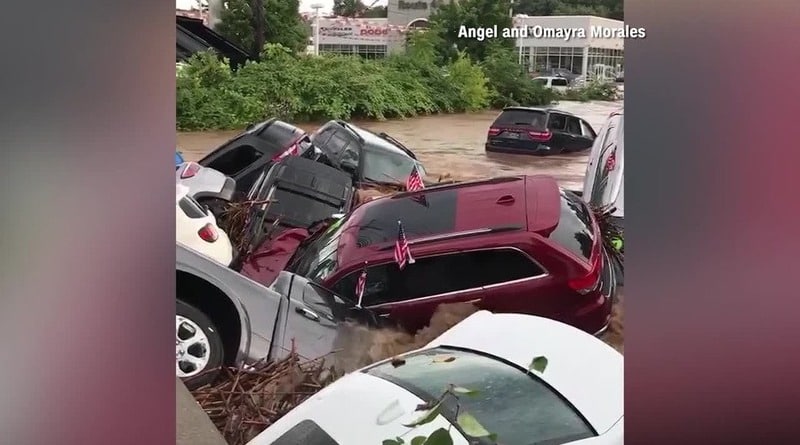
x: 570, y: 24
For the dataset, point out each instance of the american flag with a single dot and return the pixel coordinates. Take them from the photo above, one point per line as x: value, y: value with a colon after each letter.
x: 414, y: 181
x: 293, y: 150
x: 361, y: 285
x: 402, y: 253
x: 611, y: 162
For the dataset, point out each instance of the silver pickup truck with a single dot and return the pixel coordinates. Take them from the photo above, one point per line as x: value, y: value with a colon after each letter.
x: 226, y: 319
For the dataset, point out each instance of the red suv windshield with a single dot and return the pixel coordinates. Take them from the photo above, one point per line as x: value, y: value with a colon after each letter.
x: 574, y: 230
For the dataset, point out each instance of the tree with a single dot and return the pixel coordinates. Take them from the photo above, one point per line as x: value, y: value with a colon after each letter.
x: 278, y: 22
x: 349, y: 8
x: 376, y: 12
x: 450, y: 17
x: 602, y: 8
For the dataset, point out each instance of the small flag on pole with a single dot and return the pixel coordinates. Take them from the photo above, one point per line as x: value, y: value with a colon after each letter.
x: 414, y: 181
x: 361, y: 285
x: 402, y: 253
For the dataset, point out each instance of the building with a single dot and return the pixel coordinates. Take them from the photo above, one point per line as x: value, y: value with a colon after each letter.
x: 584, y: 45
x: 370, y: 38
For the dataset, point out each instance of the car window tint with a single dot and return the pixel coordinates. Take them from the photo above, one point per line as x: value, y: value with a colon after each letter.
x: 440, y: 274
x: 382, y: 166
x: 436, y: 214
x: 337, y: 143
x: 587, y: 130
x: 559, y: 82
x: 510, y: 402
x: 192, y: 208
x: 235, y: 160
x: 305, y: 433
x: 321, y: 138
x: 574, y: 126
x: 534, y: 118
x: 557, y: 122
x: 574, y: 229
x: 350, y: 156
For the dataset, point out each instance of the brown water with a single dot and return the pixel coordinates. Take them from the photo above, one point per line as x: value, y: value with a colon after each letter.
x: 453, y: 144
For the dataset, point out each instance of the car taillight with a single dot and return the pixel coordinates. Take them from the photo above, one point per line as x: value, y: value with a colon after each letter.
x: 190, y: 170
x: 540, y: 135
x: 494, y: 131
x: 208, y: 233
x: 293, y: 150
x: 588, y: 282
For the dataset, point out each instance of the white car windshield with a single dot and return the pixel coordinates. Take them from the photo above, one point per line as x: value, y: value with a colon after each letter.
x: 510, y: 402
x: 388, y: 167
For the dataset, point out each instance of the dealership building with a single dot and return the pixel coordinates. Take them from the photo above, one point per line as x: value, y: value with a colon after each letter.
x: 547, y: 43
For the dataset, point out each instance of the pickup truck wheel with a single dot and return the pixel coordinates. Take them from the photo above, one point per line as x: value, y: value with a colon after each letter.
x: 198, y: 346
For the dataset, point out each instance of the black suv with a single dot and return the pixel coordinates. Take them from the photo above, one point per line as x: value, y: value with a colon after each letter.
x: 245, y: 156
x: 528, y: 130
x: 367, y: 157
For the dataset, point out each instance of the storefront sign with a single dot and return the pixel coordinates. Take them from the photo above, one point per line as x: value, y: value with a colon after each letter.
x: 415, y: 5
x: 336, y: 31
x: 374, y: 31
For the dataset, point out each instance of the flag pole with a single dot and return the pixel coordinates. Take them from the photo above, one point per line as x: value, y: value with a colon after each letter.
x: 361, y: 294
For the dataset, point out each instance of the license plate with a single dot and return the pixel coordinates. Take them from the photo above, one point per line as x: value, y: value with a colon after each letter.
x: 510, y: 135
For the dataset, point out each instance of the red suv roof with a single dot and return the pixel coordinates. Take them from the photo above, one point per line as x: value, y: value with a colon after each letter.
x: 507, y: 203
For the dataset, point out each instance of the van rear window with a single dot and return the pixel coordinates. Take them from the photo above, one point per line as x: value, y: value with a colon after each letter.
x: 532, y: 118
x: 574, y: 231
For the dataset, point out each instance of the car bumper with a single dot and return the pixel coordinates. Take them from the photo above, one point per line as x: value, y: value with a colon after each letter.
x: 540, y: 149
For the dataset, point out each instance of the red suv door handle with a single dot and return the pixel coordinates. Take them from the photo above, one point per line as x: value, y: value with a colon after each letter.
x: 506, y: 199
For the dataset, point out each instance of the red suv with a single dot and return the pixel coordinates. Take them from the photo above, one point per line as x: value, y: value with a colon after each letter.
x: 513, y: 244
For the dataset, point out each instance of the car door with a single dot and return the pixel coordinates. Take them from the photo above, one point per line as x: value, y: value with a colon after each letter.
x: 561, y: 140
x: 585, y: 138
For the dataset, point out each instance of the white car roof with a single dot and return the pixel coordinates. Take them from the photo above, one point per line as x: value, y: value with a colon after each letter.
x: 586, y: 371
x: 180, y: 191
x: 359, y: 409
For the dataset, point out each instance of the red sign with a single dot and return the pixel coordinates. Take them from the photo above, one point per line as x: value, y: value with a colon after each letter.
x: 374, y: 31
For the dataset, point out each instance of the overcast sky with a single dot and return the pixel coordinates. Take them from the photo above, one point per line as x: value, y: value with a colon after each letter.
x: 305, y: 5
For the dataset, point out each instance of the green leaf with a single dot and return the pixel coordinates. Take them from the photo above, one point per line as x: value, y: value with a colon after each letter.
x: 439, y: 437
x: 471, y: 426
x: 427, y: 416
x: 397, y: 441
x: 464, y: 391
x: 419, y: 440
x: 538, y: 364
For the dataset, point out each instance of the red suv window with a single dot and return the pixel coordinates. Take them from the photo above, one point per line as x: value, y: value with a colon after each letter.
x: 574, y: 230
x: 439, y: 274
x: 435, y: 215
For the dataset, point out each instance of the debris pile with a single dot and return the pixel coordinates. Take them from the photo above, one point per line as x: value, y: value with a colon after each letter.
x: 242, y: 403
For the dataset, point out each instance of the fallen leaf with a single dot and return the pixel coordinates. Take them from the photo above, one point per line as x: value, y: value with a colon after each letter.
x: 443, y: 359
x: 397, y: 362
x: 471, y: 426
x: 426, y: 417
x: 538, y: 364
x: 439, y: 437
x: 464, y: 391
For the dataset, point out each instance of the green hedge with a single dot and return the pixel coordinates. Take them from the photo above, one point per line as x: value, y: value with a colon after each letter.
x: 305, y: 88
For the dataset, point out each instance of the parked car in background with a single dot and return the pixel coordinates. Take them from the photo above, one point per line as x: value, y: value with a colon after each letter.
x: 367, y: 157
x: 559, y: 84
x: 178, y: 159
x: 529, y: 130
x: 205, y: 184
x: 577, y: 399
x: 557, y: 72
x: 604, y: 182
x: 304, y: 192
x: 223, y: 318
x: 196, y: 227
x: 515, y: 244
x: 245, y: 156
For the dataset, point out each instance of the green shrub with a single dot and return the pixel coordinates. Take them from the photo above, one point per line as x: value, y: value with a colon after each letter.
x: 592, y: 91
x: 510, y: 85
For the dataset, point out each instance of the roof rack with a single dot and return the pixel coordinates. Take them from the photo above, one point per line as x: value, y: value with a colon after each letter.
x: 350, y: 128
x: 449, y: 185
x: 398, y: 144
x: 454, y: 235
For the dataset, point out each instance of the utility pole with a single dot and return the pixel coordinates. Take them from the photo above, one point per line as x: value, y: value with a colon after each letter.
x: 316, y: 7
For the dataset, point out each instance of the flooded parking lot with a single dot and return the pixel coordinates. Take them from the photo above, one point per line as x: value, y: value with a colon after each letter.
x: 453, y: 143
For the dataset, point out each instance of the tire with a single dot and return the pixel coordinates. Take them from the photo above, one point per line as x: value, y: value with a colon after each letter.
x: 197, y: 358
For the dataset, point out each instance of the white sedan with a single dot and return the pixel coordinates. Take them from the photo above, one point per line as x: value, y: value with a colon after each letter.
x: 196, y: 228
x: 516, y: 379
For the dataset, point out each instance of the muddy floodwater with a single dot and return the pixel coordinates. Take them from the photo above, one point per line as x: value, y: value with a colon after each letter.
x: 453, y: 144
